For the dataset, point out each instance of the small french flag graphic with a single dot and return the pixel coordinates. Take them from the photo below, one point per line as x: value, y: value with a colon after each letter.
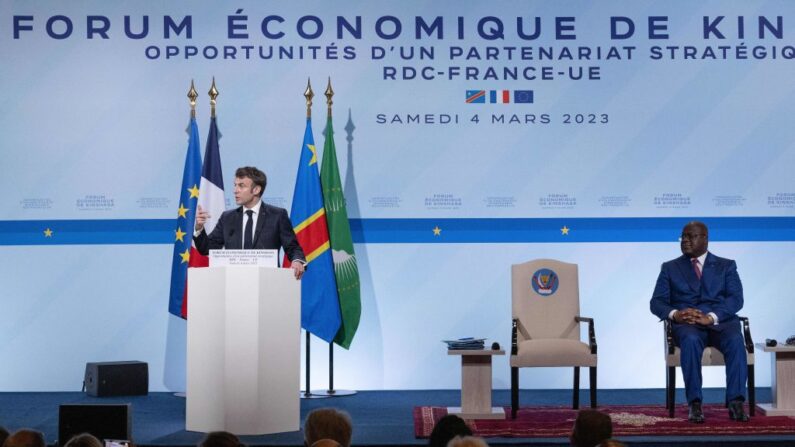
x: 499, y: 96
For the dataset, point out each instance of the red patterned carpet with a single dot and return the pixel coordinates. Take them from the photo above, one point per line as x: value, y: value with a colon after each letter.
x: 628, y: 420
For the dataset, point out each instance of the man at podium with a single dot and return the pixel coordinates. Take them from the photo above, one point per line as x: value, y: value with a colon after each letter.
x: 254, y: 225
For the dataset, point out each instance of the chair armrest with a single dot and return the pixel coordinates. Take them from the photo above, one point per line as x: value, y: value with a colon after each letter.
x: 749, y: 343
x: 514, y: 330
x: 668, y: 334
x: 591, y: 333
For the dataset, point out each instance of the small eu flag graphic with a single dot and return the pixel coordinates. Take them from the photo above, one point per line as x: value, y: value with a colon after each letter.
x: 523, y: 96
x: 499, y: 96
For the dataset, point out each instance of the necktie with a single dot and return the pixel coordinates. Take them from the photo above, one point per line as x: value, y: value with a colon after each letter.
x: 248, y: 233
x: 695, y: 268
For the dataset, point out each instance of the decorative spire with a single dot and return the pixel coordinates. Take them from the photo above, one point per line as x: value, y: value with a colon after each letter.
x: 329, y: 94
x: 308, y: 94
x: 192, y: 95
x: 349, y: 127
x: 213, y: 94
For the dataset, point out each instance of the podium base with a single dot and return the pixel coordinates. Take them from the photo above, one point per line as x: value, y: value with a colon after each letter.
x: 334, y: 393
x: 312, y: 395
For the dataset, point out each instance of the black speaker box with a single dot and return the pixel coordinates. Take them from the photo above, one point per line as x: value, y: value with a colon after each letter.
x: 105, y: 421
x: 117, y: 379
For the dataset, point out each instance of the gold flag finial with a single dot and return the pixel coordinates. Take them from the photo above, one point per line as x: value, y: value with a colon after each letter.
x: 308, y: 94
x: 213, y: 94
x: 329, y: 94
x: 192, y: 95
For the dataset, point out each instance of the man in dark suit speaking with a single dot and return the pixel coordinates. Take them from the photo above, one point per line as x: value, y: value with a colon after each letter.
x: 702, y: 294
x: 252, y: 225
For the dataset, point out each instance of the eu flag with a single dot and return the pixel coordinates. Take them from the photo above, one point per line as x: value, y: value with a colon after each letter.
x: 186, y: 218
x: 320, y: 307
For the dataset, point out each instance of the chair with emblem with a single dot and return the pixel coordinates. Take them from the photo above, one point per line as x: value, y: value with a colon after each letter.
x: 546, y: 324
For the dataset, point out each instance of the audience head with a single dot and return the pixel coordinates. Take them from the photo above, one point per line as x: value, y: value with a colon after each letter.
x: 328, y: 423
x: 220, y: 439
x: 25, y: 438
x: 84, y: 440
x: 467, y: 441
x: 591, y: 428
x: 448, y: 428
x: 3, y: 434
x: 326, y: 443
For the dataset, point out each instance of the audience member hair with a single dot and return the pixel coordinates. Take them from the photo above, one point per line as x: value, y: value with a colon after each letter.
x: 84, y: 440
x: 25, y: 438
x: 220, y: 439
x: 467, y: 441
x: 3, y: 435
x: 326, y: 443
x: 446, y: 429
x: 612, y: 443
x: 591, y: 428
x: 328, y: 423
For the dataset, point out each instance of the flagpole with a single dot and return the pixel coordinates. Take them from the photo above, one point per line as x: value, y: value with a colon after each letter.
x: 213, y: 93
x: 192, y: 95
x: 331, y: 392
x: 307, y: 394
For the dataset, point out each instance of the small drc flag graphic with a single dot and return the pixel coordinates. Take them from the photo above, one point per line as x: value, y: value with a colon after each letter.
x: 476, y: 96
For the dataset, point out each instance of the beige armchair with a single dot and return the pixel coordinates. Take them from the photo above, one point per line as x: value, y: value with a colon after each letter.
x: 710, y: 357
x: 546, y: 324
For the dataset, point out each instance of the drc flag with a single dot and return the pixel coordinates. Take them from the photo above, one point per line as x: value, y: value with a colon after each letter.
x: 186, y: 218
x: 320, y: 307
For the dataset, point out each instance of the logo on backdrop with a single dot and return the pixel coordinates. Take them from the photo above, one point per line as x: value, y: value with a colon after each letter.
x: 545, y: 282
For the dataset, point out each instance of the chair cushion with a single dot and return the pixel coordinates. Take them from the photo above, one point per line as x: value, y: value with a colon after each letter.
x: 553, y: 352
x: 711, y: 357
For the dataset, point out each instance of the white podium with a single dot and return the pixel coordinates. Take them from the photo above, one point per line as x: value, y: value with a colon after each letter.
x: 243, y: 367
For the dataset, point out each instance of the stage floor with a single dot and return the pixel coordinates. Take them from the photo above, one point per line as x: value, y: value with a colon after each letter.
x: 379, y: 417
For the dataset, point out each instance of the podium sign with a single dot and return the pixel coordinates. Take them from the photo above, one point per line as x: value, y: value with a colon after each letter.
x: 243, y: 368
x: 261, y: 258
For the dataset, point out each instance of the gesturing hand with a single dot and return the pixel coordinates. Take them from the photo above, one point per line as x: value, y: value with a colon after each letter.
x: 201, y: 218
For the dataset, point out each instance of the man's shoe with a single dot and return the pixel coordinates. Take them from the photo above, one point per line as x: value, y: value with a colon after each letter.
x: 696, y: 415
x: 736, y: 411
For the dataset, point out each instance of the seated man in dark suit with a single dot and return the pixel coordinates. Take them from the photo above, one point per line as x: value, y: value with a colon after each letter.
x: 253, y: 225
x: 702, y: 294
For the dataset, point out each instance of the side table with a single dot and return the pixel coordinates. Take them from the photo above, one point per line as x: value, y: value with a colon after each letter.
x: 476, y: 384
x: 783, y: 381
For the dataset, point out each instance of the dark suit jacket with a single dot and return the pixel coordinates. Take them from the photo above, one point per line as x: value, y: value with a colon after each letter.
x: 274, y: 230
x: 719, y: 291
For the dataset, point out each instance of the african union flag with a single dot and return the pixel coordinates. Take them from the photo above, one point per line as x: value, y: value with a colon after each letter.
x: 320, y: 307
x: 345, y: 267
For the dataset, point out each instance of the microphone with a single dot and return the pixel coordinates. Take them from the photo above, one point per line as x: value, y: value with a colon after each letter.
x: 770, y: 342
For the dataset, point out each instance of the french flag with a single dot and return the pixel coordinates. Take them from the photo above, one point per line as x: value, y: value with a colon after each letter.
x: 211, y: 190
